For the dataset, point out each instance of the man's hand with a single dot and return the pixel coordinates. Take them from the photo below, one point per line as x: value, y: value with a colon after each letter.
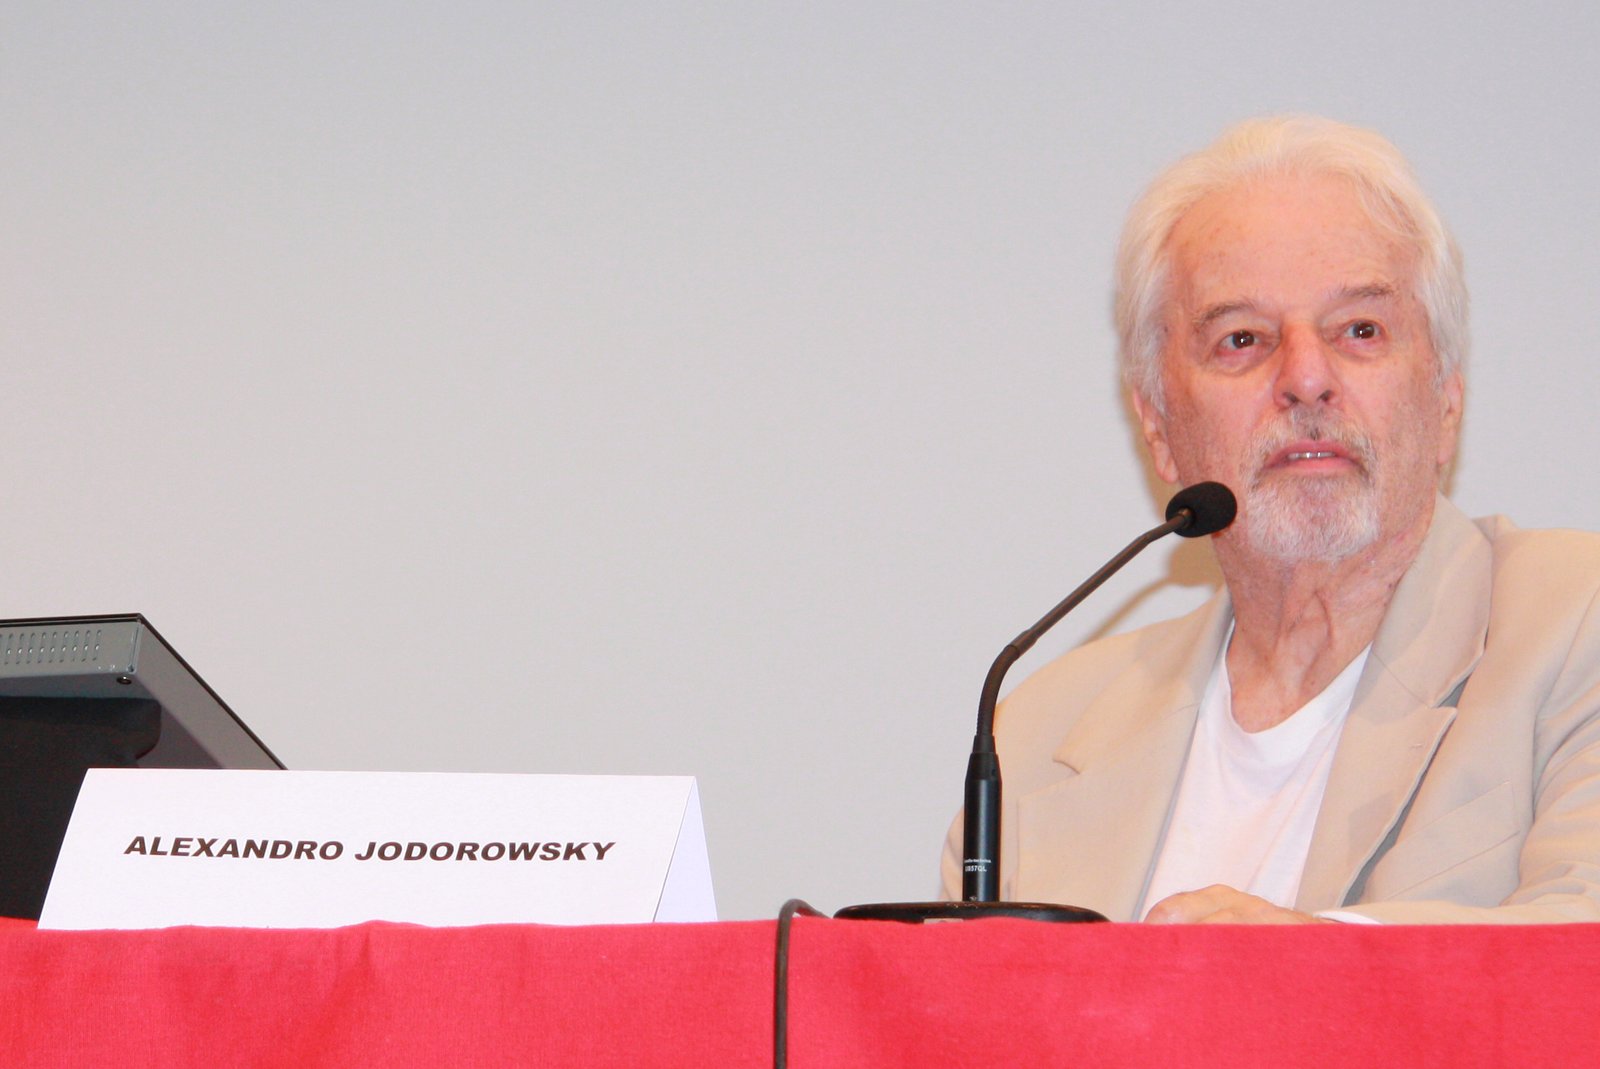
x: 1218, y: 904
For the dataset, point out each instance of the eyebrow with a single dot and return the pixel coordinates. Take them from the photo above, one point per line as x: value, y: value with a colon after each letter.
x: 1217, y: 311
x: 1371, y: 291
x: 1345, y: 294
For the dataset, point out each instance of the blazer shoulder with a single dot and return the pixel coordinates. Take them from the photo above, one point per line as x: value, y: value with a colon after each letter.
x: 1546, y: 570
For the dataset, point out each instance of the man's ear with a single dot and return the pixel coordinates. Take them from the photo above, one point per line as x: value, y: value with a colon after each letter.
x: 1452, y: 392
x: 1154, y: 425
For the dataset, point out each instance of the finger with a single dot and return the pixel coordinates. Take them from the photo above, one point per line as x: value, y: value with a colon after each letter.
x: 1185, y: 908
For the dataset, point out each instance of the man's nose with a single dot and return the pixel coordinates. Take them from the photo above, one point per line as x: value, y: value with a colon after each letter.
x: 1306, y: 373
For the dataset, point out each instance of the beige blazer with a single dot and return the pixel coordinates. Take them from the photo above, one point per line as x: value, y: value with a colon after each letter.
x: 1466, y: 784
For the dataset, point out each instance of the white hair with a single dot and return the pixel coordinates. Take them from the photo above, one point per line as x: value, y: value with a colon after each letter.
x: 1283, y: 145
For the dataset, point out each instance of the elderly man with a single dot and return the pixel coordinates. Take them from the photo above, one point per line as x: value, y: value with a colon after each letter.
x: 1391, y: 713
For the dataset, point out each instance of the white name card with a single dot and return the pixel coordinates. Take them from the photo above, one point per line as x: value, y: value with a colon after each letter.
x: 153, y: 848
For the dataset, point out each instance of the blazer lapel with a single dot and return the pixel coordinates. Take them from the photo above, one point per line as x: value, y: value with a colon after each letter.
x: 1429, y: 642
x: 1090, y: 838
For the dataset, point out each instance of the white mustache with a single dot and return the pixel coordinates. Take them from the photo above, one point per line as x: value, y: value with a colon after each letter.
x: 1305, y: 426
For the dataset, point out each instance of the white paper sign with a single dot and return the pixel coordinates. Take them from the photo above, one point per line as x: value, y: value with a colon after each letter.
x: 152, y: 848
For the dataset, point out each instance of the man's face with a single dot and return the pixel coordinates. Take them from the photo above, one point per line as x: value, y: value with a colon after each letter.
x: 1298, y: 370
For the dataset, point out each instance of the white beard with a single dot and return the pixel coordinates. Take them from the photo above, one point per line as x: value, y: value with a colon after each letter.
x: 1295, y: 520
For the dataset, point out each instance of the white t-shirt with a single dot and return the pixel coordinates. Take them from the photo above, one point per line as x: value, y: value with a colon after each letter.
x: 1247, y: 801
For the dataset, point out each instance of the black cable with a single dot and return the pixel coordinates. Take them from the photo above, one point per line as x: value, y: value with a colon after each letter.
x: 780, y: 981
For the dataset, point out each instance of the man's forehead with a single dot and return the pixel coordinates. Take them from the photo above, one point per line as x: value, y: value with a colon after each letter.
x: 1291, y: 237
x: 1296, y: 193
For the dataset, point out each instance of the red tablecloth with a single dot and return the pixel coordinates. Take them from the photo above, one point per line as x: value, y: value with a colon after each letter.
x: 862, y: 994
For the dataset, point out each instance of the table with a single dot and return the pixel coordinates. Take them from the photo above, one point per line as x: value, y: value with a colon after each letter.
x: 993, y: 992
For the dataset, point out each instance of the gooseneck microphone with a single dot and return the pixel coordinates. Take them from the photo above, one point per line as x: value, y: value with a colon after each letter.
x: 1210, y: 507
x: 1201, y: 509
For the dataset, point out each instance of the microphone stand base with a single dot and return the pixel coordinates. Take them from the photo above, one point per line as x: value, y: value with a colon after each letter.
x: 919, y: 912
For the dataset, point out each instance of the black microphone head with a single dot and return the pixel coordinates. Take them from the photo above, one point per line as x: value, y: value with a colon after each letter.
x: 1211, y: 507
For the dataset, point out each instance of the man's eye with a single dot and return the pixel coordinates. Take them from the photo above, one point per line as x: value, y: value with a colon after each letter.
x: 1239, y: 339
x: 1363, y: 330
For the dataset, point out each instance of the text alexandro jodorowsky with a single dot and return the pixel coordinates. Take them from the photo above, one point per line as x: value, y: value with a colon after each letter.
x: 197, y: 846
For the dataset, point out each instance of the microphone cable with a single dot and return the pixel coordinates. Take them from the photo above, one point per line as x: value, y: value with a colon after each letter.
x: 780, y: 980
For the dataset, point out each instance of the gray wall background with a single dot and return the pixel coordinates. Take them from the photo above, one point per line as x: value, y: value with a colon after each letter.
x: 684, y: 388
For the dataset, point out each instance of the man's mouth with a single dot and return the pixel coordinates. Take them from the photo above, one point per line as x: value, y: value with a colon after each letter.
x: 1307, y: 448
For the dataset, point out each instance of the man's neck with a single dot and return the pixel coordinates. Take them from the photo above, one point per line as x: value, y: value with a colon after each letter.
x: 1297, y: 625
